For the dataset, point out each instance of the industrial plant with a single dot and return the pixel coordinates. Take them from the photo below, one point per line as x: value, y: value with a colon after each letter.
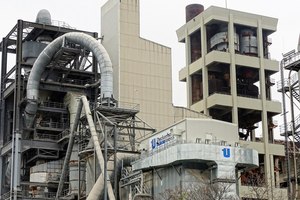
x: 90, y: 116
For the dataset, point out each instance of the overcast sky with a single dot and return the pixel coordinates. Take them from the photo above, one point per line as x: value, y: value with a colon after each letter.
x: 159, y: 21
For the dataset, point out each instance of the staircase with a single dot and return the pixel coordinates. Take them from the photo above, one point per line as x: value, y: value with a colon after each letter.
x: 291, y: 62
x: 136, y: 183
x: 289, y: 130
x: 293, y: 82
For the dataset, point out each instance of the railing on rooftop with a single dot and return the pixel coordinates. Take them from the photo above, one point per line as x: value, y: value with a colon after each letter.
x: 61, y: 24
x: 176, y: 142
x: 286, y: 82
x: 51, y: 104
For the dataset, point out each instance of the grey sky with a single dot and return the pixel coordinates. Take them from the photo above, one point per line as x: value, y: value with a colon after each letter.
x: 159, y: 21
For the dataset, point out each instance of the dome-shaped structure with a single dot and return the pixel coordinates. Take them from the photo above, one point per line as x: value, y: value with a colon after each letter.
x: 43, y: 17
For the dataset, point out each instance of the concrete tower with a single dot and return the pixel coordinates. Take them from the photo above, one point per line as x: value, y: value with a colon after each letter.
x: 227, y: 74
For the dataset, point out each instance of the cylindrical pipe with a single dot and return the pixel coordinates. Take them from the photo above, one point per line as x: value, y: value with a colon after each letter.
x: 96, y: 190
x: 285, y: 132
x: 293, y: 135
x: 45, y: 58
x: 69, y: 150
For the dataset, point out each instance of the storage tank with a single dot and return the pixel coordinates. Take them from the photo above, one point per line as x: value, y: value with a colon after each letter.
x: 192, y: 11
x: 220, y: 40
x: 248, y: 42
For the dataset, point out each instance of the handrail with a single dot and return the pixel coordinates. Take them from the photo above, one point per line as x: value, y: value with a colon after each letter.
x: 291, y: 59
x: 287, y: 82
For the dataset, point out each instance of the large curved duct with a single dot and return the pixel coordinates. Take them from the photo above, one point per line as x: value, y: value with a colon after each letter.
x: 45, y: 58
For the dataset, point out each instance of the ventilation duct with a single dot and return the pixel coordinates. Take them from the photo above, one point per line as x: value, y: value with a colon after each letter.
x: 45, y: 58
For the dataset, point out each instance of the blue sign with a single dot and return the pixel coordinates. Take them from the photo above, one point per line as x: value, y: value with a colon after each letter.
x: 161, y: 140
x: 226, y: 152
x: 153, y: 143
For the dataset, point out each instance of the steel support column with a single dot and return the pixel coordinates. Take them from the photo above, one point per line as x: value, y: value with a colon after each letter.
x: 287, y: 160
x: 16, y: 154
x: 2, y: 104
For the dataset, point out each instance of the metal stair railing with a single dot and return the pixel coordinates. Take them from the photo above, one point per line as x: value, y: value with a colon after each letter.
x: 297, y: 122
x: 292, y: 59
x: 286, y: 83
x: 296, y: 94
x: 289, y: 130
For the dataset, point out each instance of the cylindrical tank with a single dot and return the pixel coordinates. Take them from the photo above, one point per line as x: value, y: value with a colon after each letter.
x: 192, y: 11
x: 220, y: 40
x: 248, y: 42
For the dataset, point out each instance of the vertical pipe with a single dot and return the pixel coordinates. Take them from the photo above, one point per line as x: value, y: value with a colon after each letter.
x: 79, y: 175
x: 98, y: 187
x: 69, y: 151
x: 287, y: 160
x: 133, y: 134
x: 12, y: 160
x: 115, y: 161
x: 105, y: 163
x: 17, y: 165
x: 293, y: 134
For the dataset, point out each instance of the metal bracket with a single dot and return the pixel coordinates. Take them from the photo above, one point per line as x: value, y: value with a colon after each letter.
x: 157, y: 173
x: 179, y: 172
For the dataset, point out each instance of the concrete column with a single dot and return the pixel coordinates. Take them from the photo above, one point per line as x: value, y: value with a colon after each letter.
x: 203, y: 63
x: 226, y: 171
x: 267, y: 165
x: 233, y: 86
x: 187, y: 61
x: 272, y: 172
x: 277, y: 183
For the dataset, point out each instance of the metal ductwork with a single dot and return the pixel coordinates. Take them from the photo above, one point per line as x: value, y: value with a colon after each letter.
x: 45, y: 58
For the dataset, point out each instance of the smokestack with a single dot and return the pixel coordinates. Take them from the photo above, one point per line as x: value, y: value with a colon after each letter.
x: 192, y: 11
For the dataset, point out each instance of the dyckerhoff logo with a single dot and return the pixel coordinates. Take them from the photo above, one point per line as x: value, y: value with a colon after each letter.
x: 156, y: 142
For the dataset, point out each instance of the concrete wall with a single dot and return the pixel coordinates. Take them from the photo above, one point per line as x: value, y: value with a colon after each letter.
x: 142, y: 68
x: 192, y: 129
x: 212, y: 129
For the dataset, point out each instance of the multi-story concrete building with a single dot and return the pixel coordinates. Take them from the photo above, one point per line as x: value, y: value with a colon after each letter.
x: 142, y: 68
x: 228, y: 76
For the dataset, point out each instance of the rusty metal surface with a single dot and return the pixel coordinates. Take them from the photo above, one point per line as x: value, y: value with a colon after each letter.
x: 193, y: 10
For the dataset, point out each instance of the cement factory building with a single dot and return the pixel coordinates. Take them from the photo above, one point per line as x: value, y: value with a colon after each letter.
x: 89, y: 118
